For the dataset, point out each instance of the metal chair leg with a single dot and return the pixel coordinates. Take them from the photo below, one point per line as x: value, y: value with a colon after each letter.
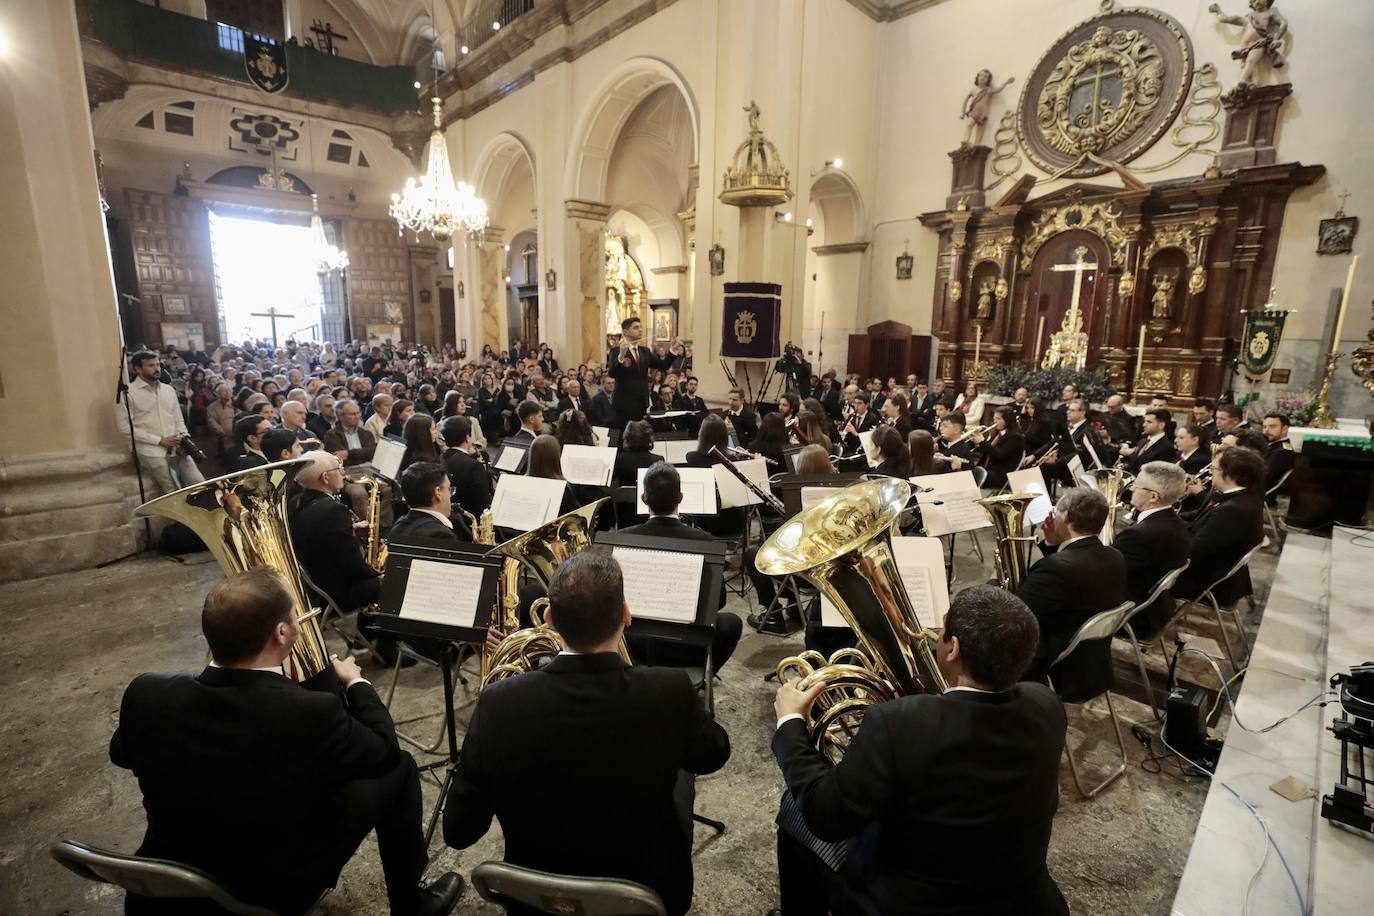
x: 717, y: 826
x: 1144, y: 674
x: 1115, y: 772
x: 1225, y: 633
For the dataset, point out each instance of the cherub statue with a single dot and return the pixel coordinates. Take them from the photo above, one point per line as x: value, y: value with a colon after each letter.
x: 1264, y: 36
x: 1163, y: 299
x: 984, y: 309
x: 976, y: 105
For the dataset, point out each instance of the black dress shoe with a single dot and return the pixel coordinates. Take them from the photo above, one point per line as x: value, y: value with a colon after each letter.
x: 438, y: 897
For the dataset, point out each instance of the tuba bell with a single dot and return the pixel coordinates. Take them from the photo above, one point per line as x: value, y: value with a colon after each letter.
x: 1008, y: 514
x: 241, y: 517
x: 843, y: 546
x: 1110, y: 482
x: 541, y: 551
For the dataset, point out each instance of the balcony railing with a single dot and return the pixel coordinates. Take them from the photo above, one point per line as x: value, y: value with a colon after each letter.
x: 486, y: 23
x: 187, y: 43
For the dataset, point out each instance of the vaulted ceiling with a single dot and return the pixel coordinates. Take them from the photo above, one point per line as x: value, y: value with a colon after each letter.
x: 387, y: 30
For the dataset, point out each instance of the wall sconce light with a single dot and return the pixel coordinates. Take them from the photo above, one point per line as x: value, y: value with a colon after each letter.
x: 463, y: 49
x: 837, y: 162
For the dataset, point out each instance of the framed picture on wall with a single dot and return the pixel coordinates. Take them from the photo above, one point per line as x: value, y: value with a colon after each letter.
x: 175, y: 305
x: 180, y: 334
x: 378, y: 334
x: 663, y: 325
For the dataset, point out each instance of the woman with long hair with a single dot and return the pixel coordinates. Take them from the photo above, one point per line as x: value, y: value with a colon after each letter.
x: 1003, y: 447
x: 428, y: 401
x: 401, y: 411
x: 921, y: 445
x: 420, y: 442
x: 198, y: 398
x: 813, y: 459
x: 454, y: 405
x: 712, y: 434
x: 573, y: 428
x: 897, y: 414
x: 636, y: 451
x: 811, y: 430
x: 895, y: 460
x: 1039, y: 428
x: 789, y: 405
x: 546, y: 460
x: 970, y: 403
x: 771, y: 440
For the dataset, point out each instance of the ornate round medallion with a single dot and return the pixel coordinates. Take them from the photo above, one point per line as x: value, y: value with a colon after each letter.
x: 1105, y: 92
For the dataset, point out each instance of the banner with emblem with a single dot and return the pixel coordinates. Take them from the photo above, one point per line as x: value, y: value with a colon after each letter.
x: 1259, y: 341
x: 752, y: 321
x: 265, y: 62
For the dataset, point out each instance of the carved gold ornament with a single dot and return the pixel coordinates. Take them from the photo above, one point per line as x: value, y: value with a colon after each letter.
x: 1197, y: 281
x: 956, y: 291
x: 1125, y: 287
x: 1104, y: 92
x: 756, y: 176
x: 1154, y: 380
x: 1000, y: 292
x: 1102, y: 219
x: 1181, y: 236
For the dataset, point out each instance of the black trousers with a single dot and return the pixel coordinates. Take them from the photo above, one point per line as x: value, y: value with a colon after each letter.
x: 806, y: 885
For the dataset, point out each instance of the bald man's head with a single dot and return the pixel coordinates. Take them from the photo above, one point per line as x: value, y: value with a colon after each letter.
x: 292, y: 415
x: 322, y: 472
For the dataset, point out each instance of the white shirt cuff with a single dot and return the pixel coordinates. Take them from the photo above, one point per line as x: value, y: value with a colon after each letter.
x: 357, y: 680
x: 787, y: 718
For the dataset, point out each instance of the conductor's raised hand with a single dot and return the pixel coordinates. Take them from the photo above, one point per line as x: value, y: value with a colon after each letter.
x: 792, y: 701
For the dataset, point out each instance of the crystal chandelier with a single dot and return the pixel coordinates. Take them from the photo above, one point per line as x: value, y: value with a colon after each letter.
x: 435, y: 205
x: 327, y: 257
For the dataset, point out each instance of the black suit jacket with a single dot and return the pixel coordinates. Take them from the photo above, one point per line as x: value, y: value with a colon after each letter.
x: 601, y: 412
x: 628, y: 461
x: 610, y: 742
x: 470, y: 480
x: 220, y: 757
x: 250, y: 460
x: 1162, y: 450
x: 1064, y: 589
x: 566, y: 403
x: 662, y: 526
x: 417, y: 524
x: 1279, y: 459
x: 1199, y: 459
x: 322, y: 533
x: 936, y: 789
x: 632, y: 381
x: 1152, y: 547
x: 1223, y: 531
x: 746, y: 426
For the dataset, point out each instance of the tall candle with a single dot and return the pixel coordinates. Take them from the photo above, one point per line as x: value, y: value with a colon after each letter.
x: 1039, y: 333
x: 977, y: 345
x: 1345, y: 301
x: 1139, y: 358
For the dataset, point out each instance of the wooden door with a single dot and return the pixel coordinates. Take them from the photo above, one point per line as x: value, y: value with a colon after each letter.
x: 1051, y: 291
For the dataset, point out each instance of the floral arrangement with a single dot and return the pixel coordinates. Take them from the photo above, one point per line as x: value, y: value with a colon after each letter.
x: 1047, y: 384
x: 1299, y: 407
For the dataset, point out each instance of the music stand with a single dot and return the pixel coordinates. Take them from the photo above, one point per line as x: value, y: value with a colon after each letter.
x: 400, y: 556
x: 507, y: 456
x: 789, y: 486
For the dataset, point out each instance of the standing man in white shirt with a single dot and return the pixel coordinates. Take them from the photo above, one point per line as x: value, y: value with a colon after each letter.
x: 158, y: 426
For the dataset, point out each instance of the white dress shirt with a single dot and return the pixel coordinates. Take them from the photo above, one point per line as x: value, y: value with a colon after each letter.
x: 156, y: 415
x: 448, y: 522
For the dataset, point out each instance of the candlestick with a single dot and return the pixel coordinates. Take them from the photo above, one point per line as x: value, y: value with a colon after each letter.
x: 1345, y: 302
x: 1323, y: 418
x: 1139, y: 360
x: 1039, y: 333
x: 977, y: 346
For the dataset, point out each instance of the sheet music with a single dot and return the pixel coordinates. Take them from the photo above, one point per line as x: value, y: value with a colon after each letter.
x: 921, y: 565
x: 866, y: 443
x: 603, y: 436
x: 1032, y: 480
x: 510, y: 458
x: 698, y: 491
x: 660, y: 449
x: 732, y: 492
x: 588, y: 464
x: 661, y: 584
x: 386, y: 460
x: 675, y: 450
x: 958, y: 510
x: 525, y: 503
x: 446, y: 593
x: 670, y: 414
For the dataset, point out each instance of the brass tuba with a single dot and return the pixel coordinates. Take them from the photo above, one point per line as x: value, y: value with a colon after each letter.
x: 241, y: 518
x: 1008, y: 514
x: 843, y: 546
x: 1110, y: 482
x: 542, y: 551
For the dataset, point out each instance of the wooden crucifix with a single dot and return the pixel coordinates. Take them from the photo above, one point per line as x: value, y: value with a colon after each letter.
x: 1069, y: 346
x: 272, y: 314
x: 326, y: 36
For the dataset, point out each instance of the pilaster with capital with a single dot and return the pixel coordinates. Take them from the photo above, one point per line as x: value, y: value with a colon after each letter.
x: 585, y: 303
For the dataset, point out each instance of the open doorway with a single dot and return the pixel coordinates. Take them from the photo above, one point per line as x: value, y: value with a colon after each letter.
x: 266, y: 280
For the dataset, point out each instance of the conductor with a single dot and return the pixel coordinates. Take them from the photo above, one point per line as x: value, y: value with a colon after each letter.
x: 629, y: 365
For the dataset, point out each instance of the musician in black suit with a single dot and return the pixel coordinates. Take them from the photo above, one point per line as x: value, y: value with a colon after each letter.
x: 430, y: 515
x: 739, y: 420
x: 1205, y: 418
x: 935, y: 788
x: 1002, y: 448
x: 1156, y: 544
x: 1120, y: 425
x: 1279, y: 457
x: 280, y: 445
x: 691, y: 401
x: 601, y: 409
x: 663, y: 496
x: 1161, y: 402
x: 1189, y: 441
x: 223, y: 757
x: 1082, y: 577
x: 1228, y: 526
x: 665, y: 402
x: 629, y: 365
x: 1154, y: 443
x: 1230, y: 418
x: 863, y: 419
x: 1079, y: 438
x: 610, y: 743
x: 466, y: 471
x: 952, y: 455
x: 249, y: 431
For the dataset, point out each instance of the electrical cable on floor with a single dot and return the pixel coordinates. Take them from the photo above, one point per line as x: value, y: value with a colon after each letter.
x: 1319, y: 700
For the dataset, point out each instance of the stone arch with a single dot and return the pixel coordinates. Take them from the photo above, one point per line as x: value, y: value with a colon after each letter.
x: 495, y: 162
x: 836, y: 195
x: 595, y: 132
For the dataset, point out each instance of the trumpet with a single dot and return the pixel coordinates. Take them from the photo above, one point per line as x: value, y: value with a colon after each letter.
x: 1048, y: 457
x: 971, y: 432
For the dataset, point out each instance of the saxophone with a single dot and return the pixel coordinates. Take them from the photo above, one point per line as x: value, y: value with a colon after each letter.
x: 376, y: 551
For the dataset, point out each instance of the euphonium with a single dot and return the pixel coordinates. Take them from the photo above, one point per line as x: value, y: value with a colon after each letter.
x: 843, y: 546
x: 1008, y: 514
x: 541, y: 551
x: 242, y: 520
x: 1110, y: 482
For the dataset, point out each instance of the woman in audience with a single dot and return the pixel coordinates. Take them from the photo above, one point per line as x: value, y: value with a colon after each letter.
x: 454, y: 405
x: 970, y: 403
x: 894, y: 459
x: 921, y: 445
x: 198, y: 398
x: 401, y: 411
x: 421, y: 445
x: 488, y: 415
x: 381, y: 414
x: 429, y: 401
x: 636, y: 451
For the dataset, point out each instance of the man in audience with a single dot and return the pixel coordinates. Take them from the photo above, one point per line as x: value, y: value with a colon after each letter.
x: 158, y: 426
x: 427, y: 494
x: 542, y: 392
x: 293, y: 417
x: 322, y: 419
x: 219, y: 417
x: 610, y: 738
x: 690, y: 401
x: 933, y: 788
x: 663, y: 495
x: 1279, y: 457
x: 1226, y: 528
x: 531, y: 416
x: 663, y: 404
x: 250, y: 431
x: 923, y: 405
x: 739, y: 419
x: 1082, y: 577
x: 601, y: 409
x: 1154, y: 443
x: 254, y: 745
x: 466, y: 472
x: 572, y: 398
x: 353, y: 444
x: 1156, y: 544
x: 1192, y: 457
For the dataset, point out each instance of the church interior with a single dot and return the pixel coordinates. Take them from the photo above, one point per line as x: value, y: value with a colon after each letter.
x: 1156, y: 206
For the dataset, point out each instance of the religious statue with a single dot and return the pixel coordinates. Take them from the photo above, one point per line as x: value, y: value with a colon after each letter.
x: 1265, y: 31
x: 984, y: 309
x: 976, y: 105
x: 1163, y: 299
x: 752, y: 109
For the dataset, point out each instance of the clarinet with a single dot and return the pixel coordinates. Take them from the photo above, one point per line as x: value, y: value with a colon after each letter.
x: 768, y: 499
